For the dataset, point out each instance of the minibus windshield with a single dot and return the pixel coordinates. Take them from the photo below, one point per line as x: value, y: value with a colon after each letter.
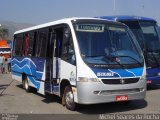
x: 107, y: 44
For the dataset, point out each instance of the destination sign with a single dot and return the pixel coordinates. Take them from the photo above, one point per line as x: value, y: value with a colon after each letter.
x: 90, y: 27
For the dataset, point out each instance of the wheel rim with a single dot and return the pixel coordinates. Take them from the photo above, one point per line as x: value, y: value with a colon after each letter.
x: 69, y: 98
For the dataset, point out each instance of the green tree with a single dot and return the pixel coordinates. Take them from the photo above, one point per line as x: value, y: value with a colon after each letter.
x: 3, y: 33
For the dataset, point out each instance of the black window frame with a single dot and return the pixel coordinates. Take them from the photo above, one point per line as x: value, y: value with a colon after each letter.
x: 39, y: 47
x: 70, y: 40
x: 20, y: 48
x: 36, y: 34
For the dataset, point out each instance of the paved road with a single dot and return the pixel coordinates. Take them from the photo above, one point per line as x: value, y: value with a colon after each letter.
x: 15, y: 100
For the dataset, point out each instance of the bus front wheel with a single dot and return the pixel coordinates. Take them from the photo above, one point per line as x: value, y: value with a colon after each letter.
x: 68, y: 99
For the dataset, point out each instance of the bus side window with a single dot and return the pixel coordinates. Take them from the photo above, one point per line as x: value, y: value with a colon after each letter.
x: 31, y: 42
x: 25, y: 44
x: 68, y: 52
x: 28, y: 44
x: 18, y: 43
x: 41, y: 43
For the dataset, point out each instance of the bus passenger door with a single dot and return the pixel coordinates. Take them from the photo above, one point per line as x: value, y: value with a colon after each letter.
x: 50, y: 78
x: 53, y: 60
x: 62, y: 63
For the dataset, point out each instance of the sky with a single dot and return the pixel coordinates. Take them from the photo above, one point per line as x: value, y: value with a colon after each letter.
x: 42, y: 11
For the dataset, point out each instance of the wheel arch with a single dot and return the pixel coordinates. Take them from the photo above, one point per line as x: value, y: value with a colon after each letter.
x: 63, y: 84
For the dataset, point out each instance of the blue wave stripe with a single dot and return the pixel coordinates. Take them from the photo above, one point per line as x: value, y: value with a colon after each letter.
x: 133, y: 72
x: 137, y: 71
x: 36, y: 83
x: 27, y: 66
x: 22, y: 62
x: 123, y: 73
x: 32, y: 79
x: 24, y: 69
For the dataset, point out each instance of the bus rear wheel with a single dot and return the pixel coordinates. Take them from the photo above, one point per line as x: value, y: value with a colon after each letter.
x: 68, y: 99
x: 25, y: 84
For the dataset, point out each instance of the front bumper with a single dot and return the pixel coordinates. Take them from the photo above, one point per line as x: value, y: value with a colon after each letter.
x: 98, y: 92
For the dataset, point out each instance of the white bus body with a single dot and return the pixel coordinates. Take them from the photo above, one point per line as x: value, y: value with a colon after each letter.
x: 71, y: 58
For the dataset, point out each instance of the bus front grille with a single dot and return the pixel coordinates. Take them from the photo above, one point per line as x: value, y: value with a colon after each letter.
x: 120, y: 81
x: 124, y: 91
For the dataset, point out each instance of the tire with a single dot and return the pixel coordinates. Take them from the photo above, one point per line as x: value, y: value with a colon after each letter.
x: 26, y: 85
x: 68, y: 99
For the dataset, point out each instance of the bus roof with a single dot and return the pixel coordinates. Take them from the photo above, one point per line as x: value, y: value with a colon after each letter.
x: 66, y: 20
x: 126, y: 17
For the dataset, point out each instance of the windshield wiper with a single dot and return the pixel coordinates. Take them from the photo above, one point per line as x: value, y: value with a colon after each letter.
x: 113, y: 58
x: 130, y: 57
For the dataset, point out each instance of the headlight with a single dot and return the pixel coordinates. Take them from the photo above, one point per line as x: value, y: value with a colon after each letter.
x: 84, y: 79
x: 158, y: 74
x: 143, y: 77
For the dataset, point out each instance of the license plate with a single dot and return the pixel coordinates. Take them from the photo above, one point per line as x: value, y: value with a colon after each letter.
x: 122, y: 98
